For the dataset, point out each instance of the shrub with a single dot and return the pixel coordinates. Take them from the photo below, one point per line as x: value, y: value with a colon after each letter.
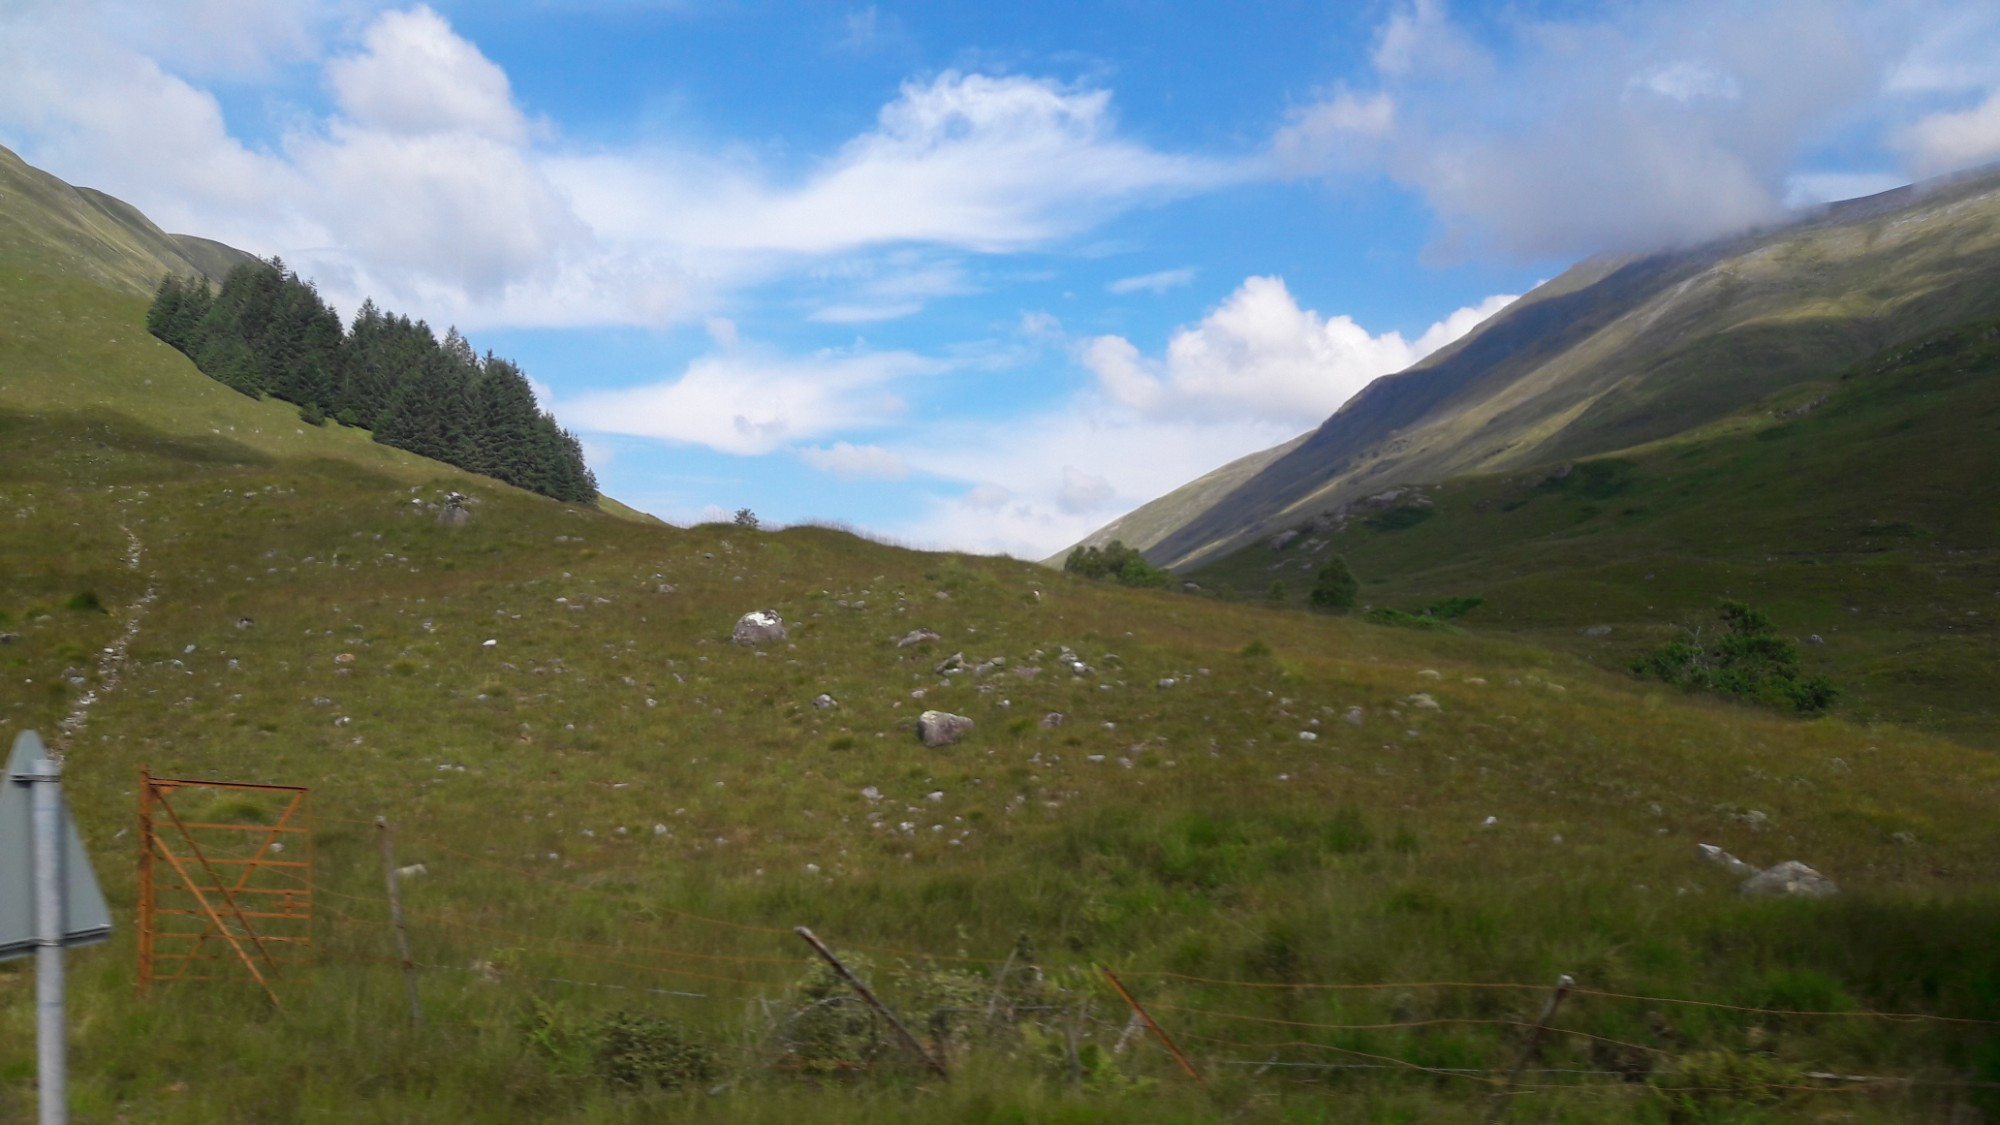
x: 747, y: 519
x: 636, y: 1051
x: 1116, y: 561
x: 1334, y: 586
x: 1748, y: 661
x: 1396, y: 519
x: 86, y: 602
x: 312, y: 415
x: 1401, y: 619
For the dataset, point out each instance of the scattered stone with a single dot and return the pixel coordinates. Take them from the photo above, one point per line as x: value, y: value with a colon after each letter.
x: 489, y: 642
x: 1353, y: 716
x: 344, y: 658
x: 454, y: 513
x: 1790, y: 879
x: 412, y: 871
x: 823, y: 701
x: 1423, y: 702
x: 935, y: 796
x: 10, y: 638
x: 1597, y: 631
x: 941, y: 728
x: 1724, y: 860
x: 758, y: 627
x: 245, y: 622
x: 1281, y: 540
x: 1308, y: 736
x: 1027, y: 671
x: 870, y: 792
x: 1905, y: 838
x: 665, y: 588
x: 1815, y: 639
x: 1167, y: 683
x: 917, y: 637
x: 1430, y: 674
x: 1490, y: 822
x: 951, y: 664
x: 1052, y: 720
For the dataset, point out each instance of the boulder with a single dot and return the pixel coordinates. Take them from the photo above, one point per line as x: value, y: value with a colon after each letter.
x: 950, y: 664
x: 941, y: 728
x: 1052, y: 720
x: 823, y: 701
x: 1790, y: 879
x: 917, y: 637
x: 758, y: 627
x: 1597, y: 631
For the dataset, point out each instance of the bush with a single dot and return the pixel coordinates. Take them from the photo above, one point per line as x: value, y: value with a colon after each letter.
x: 1749, y: 661
x: 747, y: 519
x: 86, y: 602
x: 636, y: 1051
x: 1116, y: 561
x: 1401, y: 619
x: 312, y: 415
x: 1334, y: 586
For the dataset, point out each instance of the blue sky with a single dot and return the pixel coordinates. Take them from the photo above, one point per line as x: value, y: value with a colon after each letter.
x: 977, y: 276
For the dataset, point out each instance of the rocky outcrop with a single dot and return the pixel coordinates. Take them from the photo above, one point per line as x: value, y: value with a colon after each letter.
x: 942, y: 728
x: 758, y: 627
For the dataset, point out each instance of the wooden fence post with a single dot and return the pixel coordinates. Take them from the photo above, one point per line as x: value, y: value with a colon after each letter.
x: 1157, y: 1030
x: 860, y: 989
x: 1564, y: 983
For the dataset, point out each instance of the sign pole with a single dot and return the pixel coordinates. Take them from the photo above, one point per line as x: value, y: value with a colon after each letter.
x: 52, y: 1059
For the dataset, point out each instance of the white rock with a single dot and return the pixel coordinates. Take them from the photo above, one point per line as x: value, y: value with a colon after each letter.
x: 1790, y: 879
x: 1490, y: 822
x: 1723, y: 859
x: 1308, y: 736
x: 489, y: 642
x: 1423, y: 702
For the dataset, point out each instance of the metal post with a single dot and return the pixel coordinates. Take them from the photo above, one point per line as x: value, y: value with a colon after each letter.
x: 52, y: 1059
x: 396, y: 916
x: 1564, y: 983
x: 854, y: 982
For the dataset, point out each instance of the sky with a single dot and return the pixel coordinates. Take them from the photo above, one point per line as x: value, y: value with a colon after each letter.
x: 979, y: 277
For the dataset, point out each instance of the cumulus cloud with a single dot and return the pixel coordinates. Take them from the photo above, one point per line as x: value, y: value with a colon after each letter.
x: 1153, y: 282
x: 414, y: 75
x: 747, y: 403
x: 1651, y: 125
x: 1260, y: 356
x: 851, y: 462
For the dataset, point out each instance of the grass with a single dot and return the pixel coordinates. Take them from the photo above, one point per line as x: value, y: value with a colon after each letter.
x: 612, y: 794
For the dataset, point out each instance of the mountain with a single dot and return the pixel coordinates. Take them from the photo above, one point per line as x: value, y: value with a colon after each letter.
x: 1617, y: 352
x: 51, y: 227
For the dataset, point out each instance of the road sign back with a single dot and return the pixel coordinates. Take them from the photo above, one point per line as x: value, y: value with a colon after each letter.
x: 86, y: 919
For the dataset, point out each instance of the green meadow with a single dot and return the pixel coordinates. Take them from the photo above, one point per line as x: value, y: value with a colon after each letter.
x: 621, y: 815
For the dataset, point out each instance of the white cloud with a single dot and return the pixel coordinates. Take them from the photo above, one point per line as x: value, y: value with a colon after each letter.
x: 429, y: 187
x: 1260, y: 356
x: 1946, y: 142
x: 1081, y: 492
x: 746, y: 403
x: 1153, y: 282
x: 1333, y: 132
x: 414, y: 75
x: 871, y: 462
x: 1644, y: 126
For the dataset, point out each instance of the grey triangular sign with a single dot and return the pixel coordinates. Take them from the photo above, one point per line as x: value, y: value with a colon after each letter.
x: 86, y: 919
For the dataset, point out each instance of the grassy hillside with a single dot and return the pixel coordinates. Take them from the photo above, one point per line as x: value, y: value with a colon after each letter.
x: 1864, y: 508
x: 49, y: 227
x: 619, y: 811
x: 1618, y: 353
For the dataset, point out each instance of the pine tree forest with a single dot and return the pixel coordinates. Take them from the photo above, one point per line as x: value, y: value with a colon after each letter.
x: 267, y: 332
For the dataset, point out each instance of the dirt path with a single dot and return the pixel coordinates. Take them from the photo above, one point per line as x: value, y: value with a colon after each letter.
x: 111, y: 660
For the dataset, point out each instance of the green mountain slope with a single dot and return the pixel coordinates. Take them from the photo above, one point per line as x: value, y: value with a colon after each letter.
x: 1150, y: 522
x: 49, y: 227
x: 619, y: 816
x: 1616, y: 353
x: 1863, y: 508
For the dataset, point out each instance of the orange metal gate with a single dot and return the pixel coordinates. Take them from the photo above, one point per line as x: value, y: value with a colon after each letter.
x: 225, y: 880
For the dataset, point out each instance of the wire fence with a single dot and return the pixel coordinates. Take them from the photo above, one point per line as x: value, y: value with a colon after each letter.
x: 1298, y: 1049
